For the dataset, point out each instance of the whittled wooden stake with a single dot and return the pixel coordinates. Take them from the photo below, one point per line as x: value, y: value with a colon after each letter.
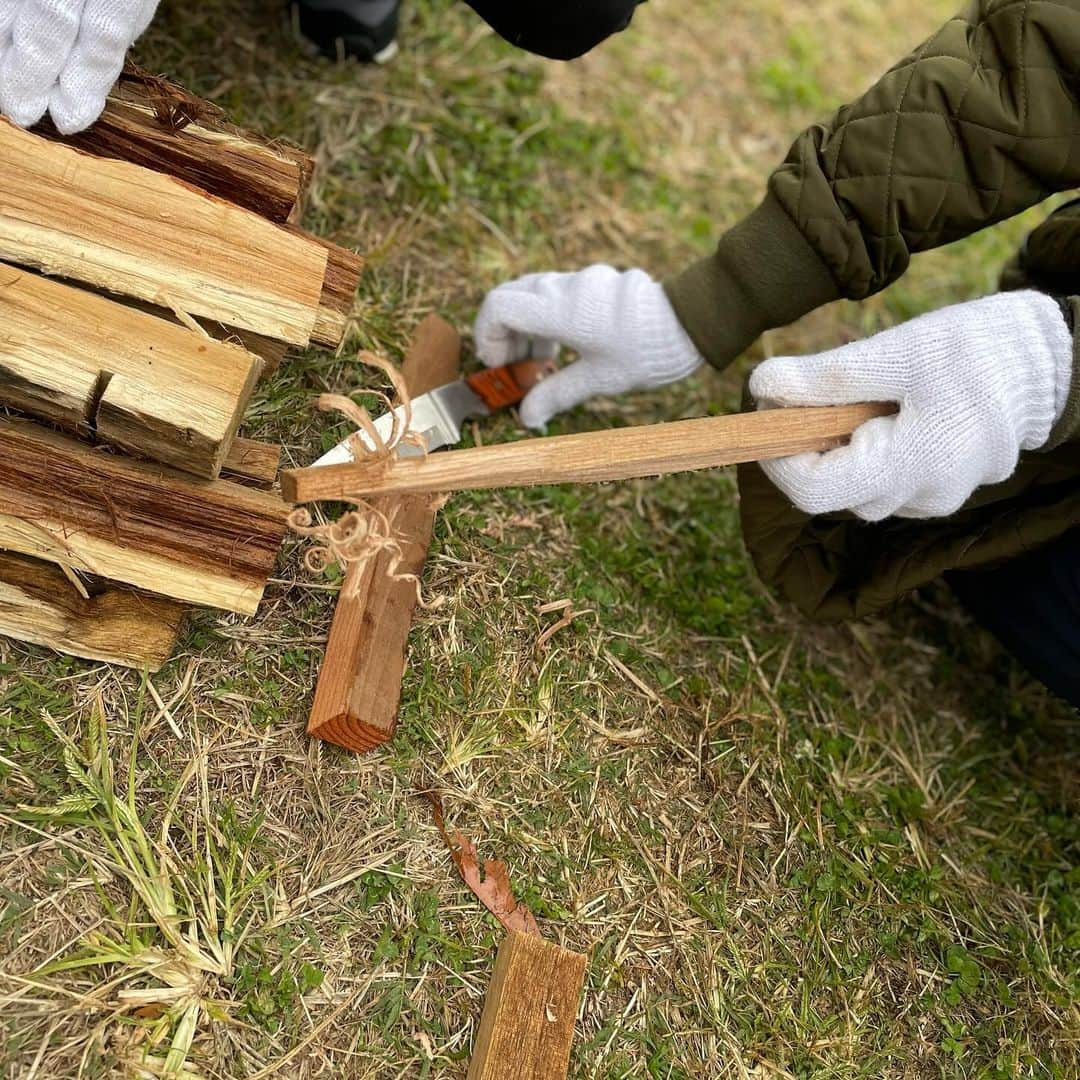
x: 140, y: 233
x: 40, y: 605
x: 359, y: 688
x: 594, y: 456
x: 527, y: 1027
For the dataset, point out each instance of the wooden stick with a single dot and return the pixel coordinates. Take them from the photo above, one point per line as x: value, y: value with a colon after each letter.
x: 40, y: 605
x: 527, y: 1026
x: 594, y: 456
x: 139, y: 233
x: 208, y: 542
x: 359, y: 688
x: 150, y: 386
x: 156, y: 124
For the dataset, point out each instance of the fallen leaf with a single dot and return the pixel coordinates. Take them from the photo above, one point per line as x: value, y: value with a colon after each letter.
x: 492, y: 888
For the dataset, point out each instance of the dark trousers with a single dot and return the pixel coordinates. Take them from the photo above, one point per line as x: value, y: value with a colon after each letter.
x: 1031, y: 604
x: 556, y: 28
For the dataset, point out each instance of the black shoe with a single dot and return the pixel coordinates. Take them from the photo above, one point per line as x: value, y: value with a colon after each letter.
x: 364, y: 29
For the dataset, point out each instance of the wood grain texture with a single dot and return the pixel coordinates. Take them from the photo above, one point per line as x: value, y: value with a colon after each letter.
x: 269, y: 350
x: 359, y: 688
x: 148, y: 385
x: 595, y: 456
x: 207, y: 542
x: 136, y: 232
x: 156, y: 124
x: 527, y: 1026
x: 39, y: 605
x: 252, y: 460
x: 343, y: 269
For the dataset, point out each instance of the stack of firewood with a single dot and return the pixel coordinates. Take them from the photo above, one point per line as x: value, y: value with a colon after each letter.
x: 151, y: 272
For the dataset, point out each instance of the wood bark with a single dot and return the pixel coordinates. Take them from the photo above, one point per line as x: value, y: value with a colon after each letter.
x: 150, y: 386
x: 207, y: 542
x: 594, y: 456
x: 359, y: 688
x: 527, y: 1027
x: 343, y: 269
x: 154, y: 123
x: 40, y: 605
x: 140, y: 233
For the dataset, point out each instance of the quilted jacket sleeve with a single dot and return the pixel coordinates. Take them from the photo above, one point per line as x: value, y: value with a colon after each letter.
x: 977, y: 124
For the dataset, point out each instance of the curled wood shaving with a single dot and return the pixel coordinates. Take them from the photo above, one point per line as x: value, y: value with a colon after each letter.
x: 357, y: 537
x: 492, y: 888
x: 366, y: 531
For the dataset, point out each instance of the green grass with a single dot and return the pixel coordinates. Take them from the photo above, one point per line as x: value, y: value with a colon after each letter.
x: 790, y: 850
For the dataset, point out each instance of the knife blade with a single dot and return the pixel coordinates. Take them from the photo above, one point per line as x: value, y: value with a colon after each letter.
x: 438, y: 415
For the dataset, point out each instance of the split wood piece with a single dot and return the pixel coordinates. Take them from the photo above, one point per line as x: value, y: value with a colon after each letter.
x: 139, y: 233
x: 527, y: 1026
x: 150, y: 386
x: 343, y: 269
x: 359, y: 688
x: 269, y: 350
x: 154, y: 123
x: 40, y: 605
x: 208, y: 542
x: 595, y: 456
x: 251, y: 460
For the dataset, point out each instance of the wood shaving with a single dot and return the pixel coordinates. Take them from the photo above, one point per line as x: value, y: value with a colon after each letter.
x: 366, y: 531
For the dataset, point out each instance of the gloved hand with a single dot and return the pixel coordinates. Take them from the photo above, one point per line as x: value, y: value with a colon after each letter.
x: 63, y: 56
x: 976, y: 384
x: 620, y: 324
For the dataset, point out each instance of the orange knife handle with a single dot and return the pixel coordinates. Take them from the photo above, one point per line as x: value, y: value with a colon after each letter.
x: 503, y: 386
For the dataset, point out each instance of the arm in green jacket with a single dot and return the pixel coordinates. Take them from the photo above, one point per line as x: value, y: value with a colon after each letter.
x: 977, y: 124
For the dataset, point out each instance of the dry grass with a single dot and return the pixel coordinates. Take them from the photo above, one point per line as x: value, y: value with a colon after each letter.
x: 791, y: 851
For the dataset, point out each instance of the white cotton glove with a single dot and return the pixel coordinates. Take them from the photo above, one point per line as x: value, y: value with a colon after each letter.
x: 63, y: 56
x: 620, y: 324
x: 976, y: 384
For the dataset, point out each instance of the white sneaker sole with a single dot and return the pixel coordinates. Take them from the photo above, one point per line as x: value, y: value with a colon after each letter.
x: 384, y: 56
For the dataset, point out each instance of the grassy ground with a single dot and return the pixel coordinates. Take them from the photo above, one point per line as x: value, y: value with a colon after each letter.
x: 791, y: 851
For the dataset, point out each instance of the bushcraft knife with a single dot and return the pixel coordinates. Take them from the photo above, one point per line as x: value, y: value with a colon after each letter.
x: 438, y: 415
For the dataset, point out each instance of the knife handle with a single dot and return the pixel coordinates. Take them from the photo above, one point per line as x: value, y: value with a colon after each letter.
x: 503, y: 386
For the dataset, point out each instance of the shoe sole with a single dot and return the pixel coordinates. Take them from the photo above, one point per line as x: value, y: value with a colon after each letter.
x: 384, y: 56
x: 314, y: 49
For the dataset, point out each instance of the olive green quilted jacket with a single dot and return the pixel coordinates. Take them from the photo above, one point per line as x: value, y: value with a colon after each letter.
x: 979, y: 123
